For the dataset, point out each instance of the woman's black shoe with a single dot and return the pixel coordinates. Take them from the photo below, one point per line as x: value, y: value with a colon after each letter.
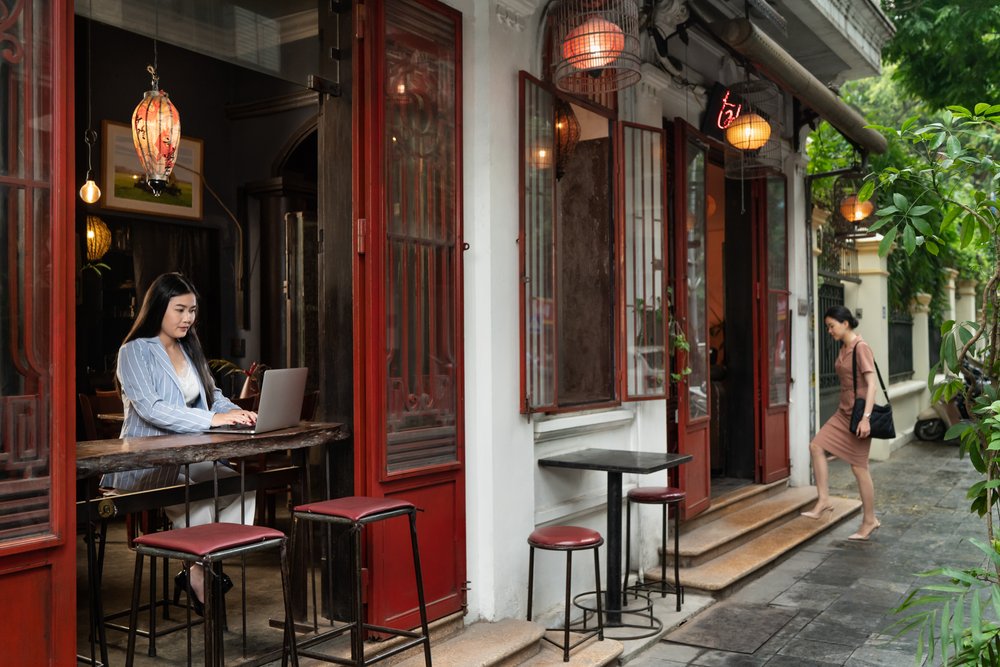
x: 181, y: 584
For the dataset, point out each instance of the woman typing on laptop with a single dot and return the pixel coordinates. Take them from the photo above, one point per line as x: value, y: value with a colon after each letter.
x: 167, y: 388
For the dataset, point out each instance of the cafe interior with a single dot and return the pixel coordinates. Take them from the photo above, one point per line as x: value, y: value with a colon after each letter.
x: 238, y: 217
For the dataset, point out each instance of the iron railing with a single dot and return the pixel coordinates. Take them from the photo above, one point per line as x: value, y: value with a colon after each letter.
x: 900, y: 347
x: 830, y: 294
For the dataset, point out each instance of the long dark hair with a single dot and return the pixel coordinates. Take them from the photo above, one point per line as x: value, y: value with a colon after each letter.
x: 150, y: 319
x: 841, y: 314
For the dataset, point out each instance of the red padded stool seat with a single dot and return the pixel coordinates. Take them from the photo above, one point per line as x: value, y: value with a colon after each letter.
x: 208, y: 545
x: 665, y: 496
x: 655, y: 495
x: 355, y: 512
x: 564, y: 537
x: 568, y: 539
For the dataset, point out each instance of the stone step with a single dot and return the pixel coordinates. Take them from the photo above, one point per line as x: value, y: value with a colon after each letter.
x: 506, y: 643
x: 593, y: 653
x: 733, y: 501
x: 723, y: 572
x: 734, y: 529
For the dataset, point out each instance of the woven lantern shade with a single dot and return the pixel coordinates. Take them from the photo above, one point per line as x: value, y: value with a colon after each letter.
x: 156, y: 133
x: 754, y: 135
x: 850, y: 214
x: 98, y: 238
x: 567, y: 134
x: 595, y: 46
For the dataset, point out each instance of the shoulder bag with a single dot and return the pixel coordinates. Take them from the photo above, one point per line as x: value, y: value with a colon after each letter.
x: 881, y: 417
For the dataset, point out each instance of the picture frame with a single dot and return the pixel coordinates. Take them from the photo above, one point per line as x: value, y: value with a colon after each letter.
x: 122, y: 177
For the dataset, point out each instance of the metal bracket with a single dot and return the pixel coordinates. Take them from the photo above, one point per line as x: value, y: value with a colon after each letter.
x: 324, y: 86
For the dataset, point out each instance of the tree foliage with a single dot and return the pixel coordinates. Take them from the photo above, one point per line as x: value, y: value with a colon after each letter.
x: 945, y: 52
x: 949, y: 189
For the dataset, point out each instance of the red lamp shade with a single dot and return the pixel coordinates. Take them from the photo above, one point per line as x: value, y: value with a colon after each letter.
x: 748, y: 132
x: 156, y: 133
x: 595, y: 43
x: 854, y: 210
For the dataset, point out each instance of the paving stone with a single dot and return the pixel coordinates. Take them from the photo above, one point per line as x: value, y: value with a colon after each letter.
x: 810, y: 649
x: 808, y: 595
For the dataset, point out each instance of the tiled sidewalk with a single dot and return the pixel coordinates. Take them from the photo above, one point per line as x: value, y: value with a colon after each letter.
x: 843, y: 592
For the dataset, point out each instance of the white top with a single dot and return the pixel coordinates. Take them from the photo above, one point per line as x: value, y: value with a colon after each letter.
x: 190, y: 386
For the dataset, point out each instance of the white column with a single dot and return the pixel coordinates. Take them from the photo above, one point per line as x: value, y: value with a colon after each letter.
x: 921, y: 338
x: 871, y: 298
x: 949, y: 292
x: 965, y: 304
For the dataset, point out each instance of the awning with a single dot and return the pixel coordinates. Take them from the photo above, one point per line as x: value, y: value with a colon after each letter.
x: 784, y: 70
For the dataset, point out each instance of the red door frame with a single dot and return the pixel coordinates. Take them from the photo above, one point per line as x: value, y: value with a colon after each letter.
x: 387, y: 604
x: 692, y: 437
x: 38, y: 574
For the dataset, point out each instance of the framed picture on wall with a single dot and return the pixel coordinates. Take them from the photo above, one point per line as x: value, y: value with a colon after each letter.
x: 123, y: 182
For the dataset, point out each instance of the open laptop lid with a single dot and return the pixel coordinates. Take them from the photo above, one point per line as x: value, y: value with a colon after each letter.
x: 280, y: 403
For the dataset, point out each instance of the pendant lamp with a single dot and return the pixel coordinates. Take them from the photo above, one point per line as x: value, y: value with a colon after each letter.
x: 754, y: 135
x: 98, y: 238
x: 595, y: 45
x: 156, y: 133
x: 850, y: 212
x: 89, y: 192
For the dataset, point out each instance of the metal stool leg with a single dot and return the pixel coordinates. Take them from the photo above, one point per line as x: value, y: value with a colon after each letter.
x: 420, y: 588
x: 358, y: 631
x: 288, y: 643
x: 678, y: 589
x: 569, y: 578
x: 663, y: 554
x: 134, y: 613
x: 531, y: 577
x: 597, y: 579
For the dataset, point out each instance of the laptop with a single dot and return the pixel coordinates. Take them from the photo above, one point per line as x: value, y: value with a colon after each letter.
x: 280, y: 404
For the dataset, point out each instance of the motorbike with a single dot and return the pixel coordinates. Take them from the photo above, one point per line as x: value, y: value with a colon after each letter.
x: 933, y: 422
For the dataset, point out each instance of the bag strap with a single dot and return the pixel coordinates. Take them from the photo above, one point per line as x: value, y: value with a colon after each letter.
x: 854, y: 375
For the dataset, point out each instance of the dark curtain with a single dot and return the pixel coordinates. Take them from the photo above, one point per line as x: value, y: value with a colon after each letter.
x: 160, y: 248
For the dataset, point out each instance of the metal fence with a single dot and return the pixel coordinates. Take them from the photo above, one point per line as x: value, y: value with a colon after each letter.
x: 830, y: 294
x: 900, y: 347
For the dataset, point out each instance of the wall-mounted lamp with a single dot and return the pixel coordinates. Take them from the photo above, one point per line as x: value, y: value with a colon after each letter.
x: 845, y: 197
x: 854, y: 210
x: 98, y: 238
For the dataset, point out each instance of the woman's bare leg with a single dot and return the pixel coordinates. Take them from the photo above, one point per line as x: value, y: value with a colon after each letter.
x: 822, y: 478
x: 867, y: 490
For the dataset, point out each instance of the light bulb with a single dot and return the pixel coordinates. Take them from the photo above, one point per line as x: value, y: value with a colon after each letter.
x: 89, y: 192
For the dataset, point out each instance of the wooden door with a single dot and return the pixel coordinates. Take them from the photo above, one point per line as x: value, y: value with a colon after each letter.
x: 408, y: 298
x: 690, y: 308
x: 37, y: 415
x: 773, y: 328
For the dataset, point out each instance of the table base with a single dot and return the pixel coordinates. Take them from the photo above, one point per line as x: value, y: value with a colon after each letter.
x: 640, y: 609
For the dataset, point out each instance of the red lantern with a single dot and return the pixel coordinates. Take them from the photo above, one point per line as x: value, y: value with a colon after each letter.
x: 593, y: 44
x: 156, y: 133
x: 854, y: 210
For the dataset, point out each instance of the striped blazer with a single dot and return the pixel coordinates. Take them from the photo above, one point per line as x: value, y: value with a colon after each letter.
x: 154, y: 405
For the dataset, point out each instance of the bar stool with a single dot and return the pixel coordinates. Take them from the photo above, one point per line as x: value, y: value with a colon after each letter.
x: 208, y: 545
x: 568, y: 539
x: 664, y: 496
x: 355, y: 512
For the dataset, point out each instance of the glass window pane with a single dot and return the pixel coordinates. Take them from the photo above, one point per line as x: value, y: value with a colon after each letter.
x: 538, y: 244
x: 778, y: 323
x: 26, y: 117
x: 421, y: 227
x: 697, y: 317
x: 645, y: 350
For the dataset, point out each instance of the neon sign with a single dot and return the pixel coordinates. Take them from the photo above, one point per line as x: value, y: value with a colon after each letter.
x: 728, y: 112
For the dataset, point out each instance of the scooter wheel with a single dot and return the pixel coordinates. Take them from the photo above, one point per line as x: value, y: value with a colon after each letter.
x: 929, y: 429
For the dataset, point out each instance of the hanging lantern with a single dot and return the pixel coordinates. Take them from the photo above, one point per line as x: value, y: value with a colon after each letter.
x: 98, y: 238
x: 854, y: 210
x: 753, y: 132
x: 595, y: 45
x: 156, y: 133
x: 567, y: 134
x: 748, y: 132
x: 89, y: 192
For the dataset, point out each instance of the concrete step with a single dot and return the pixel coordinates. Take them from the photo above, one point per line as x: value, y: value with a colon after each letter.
x: 729, y: 568
x: 593, y: 653
x: 733, y: 501
x: 735, y: 528
x: 506, y: 643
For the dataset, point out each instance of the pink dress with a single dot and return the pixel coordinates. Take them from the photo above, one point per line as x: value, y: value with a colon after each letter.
x: 836, y: 437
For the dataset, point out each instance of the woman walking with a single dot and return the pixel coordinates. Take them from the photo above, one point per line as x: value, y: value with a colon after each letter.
x: 836, y: 436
